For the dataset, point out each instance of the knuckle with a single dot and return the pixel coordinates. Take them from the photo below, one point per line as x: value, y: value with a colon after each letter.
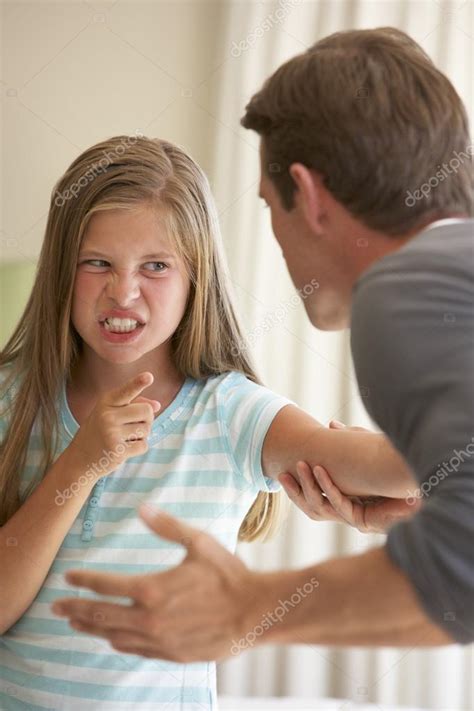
x: 105, y: 418
x: 112, y: 438
x: 174, y: 648
x: 143, y: 445
x: 153, y: 626
x: 144, y: 620
x: 201, y: 541
x: 143, y: 592
x: 148, y: 413
x: 145, y: 429
x: 116, y: 640
x: 138, y: 447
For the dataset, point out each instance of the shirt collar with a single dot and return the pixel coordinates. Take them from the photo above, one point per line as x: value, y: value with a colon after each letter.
x: 445, y: 221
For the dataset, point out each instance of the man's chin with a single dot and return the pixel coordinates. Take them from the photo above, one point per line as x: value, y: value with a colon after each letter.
x: 327, y: 319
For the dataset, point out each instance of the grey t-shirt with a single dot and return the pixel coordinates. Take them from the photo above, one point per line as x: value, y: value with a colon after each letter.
x: 413, y: 347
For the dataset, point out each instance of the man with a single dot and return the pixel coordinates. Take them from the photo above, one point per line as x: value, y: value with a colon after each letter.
x: 365, y: 162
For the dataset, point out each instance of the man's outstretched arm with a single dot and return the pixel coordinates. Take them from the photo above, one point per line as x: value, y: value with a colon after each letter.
x: 211, y: 606
x: 360, y: 600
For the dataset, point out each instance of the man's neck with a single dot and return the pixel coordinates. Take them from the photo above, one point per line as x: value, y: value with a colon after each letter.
x: 369, y: 246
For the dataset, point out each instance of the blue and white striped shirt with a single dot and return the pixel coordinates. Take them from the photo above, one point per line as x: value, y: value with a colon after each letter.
x: 203, y: 465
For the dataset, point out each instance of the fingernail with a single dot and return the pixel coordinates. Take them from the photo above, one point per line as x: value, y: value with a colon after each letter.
x: 336, y: 423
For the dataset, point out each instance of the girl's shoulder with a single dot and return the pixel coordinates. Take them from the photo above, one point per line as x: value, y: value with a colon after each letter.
x: 234, y: 386
x: 212, y: 390
x: 224, y: 382
x: 229, y: 377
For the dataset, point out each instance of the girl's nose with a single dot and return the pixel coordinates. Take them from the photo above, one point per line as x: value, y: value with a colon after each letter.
x: 123, y: 287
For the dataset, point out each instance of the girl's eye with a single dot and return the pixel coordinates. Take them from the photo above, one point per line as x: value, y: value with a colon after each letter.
x: 101, y: 262
x: 162, y: 266
x: 90, y: 261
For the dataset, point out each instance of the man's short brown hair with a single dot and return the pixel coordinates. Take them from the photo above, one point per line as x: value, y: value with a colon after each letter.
x: 369, y: 112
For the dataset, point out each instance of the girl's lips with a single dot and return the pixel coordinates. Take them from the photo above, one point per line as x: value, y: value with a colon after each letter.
x: 121, y: 337
x: 120, y: 314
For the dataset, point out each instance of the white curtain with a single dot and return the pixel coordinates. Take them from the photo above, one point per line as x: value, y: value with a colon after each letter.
x: 312, y: 367
x: 74, y: 73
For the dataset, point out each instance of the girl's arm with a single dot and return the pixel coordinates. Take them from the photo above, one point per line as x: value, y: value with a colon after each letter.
x: 361, y: 463
x: 30, y: 539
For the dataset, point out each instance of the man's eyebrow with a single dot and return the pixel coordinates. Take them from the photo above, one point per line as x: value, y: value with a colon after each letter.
x: 156, y: 255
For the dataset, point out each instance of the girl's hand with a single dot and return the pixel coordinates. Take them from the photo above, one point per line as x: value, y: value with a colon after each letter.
x: 320, y: 499
x: 117, y: 428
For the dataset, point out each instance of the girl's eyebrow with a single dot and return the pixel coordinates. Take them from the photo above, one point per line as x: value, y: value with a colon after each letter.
x: 157, y: 255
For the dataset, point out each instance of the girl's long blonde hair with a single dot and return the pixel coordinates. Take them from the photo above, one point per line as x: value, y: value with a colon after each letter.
x: 119, y: 173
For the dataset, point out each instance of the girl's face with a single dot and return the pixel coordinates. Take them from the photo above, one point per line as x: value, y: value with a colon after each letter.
x: 127, y: 265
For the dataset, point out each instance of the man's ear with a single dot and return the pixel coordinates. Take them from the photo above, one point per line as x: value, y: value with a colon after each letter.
x: 308, y: 195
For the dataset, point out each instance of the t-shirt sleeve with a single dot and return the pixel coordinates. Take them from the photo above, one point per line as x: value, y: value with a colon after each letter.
x: 413, y: 347
x: 246, y: 413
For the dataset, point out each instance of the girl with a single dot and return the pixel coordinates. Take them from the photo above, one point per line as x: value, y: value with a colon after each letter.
x: 122, y: 382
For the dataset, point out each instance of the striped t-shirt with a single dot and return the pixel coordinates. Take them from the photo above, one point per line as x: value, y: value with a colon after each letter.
x: 203, y: 465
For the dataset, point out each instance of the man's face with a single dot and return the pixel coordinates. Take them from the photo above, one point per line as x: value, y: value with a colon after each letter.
x: 313, y: 260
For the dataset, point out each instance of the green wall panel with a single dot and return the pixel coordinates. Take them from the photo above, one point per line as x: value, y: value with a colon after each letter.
x: 16, y: 281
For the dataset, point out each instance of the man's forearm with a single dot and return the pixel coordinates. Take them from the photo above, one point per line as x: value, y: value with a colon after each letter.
x: 362, y: 600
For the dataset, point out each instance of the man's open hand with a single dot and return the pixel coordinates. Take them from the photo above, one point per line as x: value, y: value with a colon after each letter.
x: 190, y: 613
